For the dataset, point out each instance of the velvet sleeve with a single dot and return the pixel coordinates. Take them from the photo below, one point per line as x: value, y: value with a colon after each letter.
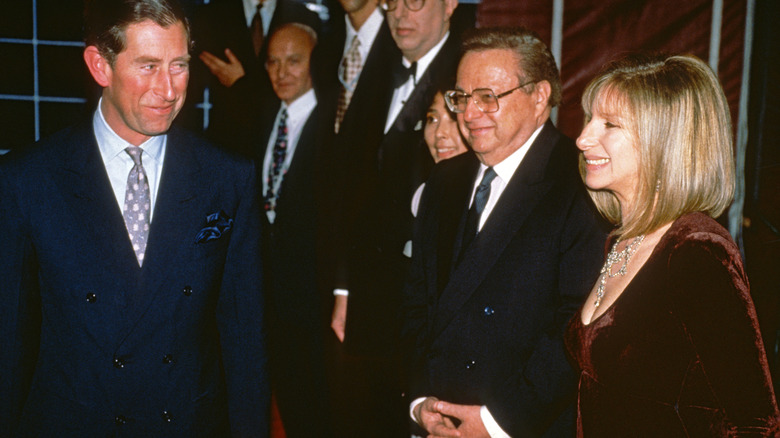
x: 711, y: 297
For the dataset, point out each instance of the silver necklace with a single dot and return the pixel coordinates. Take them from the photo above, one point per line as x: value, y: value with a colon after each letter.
x: 614, y: 257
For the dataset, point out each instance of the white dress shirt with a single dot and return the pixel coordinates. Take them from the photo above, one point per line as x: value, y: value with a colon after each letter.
x: 118, y: 162
x: 266, y: 12
x: 298, y: 113
x: 366, y: 35
x: 504, y: 171
x: 402, y: 93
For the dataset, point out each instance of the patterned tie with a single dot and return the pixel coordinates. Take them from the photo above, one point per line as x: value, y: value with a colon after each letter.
x: 477, y: 207
x: 276, y: 172
x: 137, y: 204
x: 257, y: 30
x: 350, y: 68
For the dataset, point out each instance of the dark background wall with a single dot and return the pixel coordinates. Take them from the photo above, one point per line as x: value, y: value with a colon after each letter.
x: 44, y: 86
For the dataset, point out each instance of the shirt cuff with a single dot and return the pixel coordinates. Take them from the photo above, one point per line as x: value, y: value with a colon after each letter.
x: 413, y: 405
x: 494, y: 430
x: 342, y: 292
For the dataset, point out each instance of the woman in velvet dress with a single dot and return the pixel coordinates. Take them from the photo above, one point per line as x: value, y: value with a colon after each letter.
x: 667, y: 344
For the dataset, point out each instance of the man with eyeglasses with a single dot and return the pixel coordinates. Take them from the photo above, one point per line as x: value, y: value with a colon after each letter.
x: 380, y: 172
x: 506, y: 246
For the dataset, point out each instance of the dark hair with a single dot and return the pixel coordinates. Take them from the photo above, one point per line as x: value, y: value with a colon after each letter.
x: 534, y: 57
x: 105, y: 21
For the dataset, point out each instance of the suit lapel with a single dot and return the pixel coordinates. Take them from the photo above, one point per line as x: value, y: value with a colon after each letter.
x: 84, y: 176
x: 525, y: 190
x: 412, y: 113
x: 170, y: 236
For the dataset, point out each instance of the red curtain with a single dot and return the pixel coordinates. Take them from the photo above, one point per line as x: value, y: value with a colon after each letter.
x: 597, y: 31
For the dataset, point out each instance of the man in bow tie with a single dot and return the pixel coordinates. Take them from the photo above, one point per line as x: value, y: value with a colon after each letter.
x: 130, y: 286
x: 376, y: 176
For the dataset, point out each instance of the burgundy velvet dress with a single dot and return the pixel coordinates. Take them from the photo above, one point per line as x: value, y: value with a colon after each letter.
x: 679, y: 353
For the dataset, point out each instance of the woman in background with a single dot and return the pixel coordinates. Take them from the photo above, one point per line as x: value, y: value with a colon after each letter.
x: 441, y: 135
x: 667, y: 344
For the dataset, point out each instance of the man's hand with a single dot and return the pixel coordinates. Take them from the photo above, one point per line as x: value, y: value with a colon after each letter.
x: 338, y: 321
x: 438, y: 425
x: 227, y: 72
x: 470, y: 420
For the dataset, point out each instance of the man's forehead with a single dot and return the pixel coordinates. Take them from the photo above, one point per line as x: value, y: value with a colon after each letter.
x: 487, y: 66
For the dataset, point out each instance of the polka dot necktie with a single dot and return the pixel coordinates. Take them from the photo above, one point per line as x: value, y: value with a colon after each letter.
x: 137, y: 204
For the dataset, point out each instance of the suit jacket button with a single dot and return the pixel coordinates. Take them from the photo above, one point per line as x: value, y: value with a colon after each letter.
x: 91, y: 298
x: 120, y: 420
x: 489, y: 311
x: 167, y: 417
x: 167, y: 359
x: 187, y: 291
x: 119, y: 363
x: 470, y: 365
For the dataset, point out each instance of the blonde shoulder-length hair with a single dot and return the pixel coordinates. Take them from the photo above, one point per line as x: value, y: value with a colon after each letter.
x: 678, y: 118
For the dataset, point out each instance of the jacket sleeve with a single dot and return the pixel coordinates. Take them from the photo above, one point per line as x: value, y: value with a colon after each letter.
x: 240, y: 320
x: 19, y: 308
x: 711, y: 297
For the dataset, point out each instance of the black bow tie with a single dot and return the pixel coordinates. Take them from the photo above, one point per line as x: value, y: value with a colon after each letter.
x: 401, y: 74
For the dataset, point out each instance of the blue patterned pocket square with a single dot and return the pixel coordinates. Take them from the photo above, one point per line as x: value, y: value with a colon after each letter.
x: 217, y: 224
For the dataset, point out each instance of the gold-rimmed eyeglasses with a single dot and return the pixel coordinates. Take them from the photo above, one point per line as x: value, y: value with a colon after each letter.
x: 484, y: 98
x: 412, y: 5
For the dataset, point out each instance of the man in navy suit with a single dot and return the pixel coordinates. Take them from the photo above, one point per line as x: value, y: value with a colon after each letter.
x: 506, y: 246
x: 297, y: 322
x: 130, y: 258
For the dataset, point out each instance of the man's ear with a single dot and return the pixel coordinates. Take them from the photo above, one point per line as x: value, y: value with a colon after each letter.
x: 543, y: 91
x: 450, y: 6
x: 98, y: 66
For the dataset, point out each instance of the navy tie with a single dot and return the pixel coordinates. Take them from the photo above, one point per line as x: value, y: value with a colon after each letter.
x: 477, y: 207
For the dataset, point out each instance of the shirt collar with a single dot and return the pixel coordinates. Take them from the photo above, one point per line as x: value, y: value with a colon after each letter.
x: 301, y: 107
x: 427, y: 59
x: 250, y: 6
x: 367, y: 31
x: 112, y: 145
x: 507, y: 168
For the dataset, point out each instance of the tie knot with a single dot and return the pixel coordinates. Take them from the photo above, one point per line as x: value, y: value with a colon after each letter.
x: 355, y: 44
x: 402, y: 73
x: 487, y: 178
x: 135, y: 153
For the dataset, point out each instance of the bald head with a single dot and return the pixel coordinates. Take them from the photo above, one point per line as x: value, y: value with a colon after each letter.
x: 288, y: 61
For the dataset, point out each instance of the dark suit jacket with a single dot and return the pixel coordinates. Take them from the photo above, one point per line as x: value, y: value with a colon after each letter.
x: 296, y: 314
x: 93, y: 345
x: 489, y: 330
x: 383, y: 171
x: 222, y: 24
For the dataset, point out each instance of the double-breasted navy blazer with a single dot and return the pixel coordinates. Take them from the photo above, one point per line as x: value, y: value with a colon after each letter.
x: 94, y: 346
x: 489, y: 330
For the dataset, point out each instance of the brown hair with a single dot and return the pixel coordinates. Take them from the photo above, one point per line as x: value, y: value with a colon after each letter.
x: 534, y: 57
x: 105, y: 21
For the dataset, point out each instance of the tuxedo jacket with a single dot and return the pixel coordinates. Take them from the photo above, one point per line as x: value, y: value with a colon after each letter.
x: 488, y: 330
x: 382, y: 171
x: 92, y: 345
x: 221, y: 24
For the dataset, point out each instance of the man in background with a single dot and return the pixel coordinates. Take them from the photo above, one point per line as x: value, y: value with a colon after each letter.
x: 289, y: 151
x: 231, y: 40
